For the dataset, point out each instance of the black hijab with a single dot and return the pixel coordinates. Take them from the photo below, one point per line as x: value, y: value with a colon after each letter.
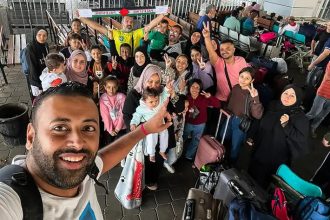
x: 277, y: 106
x: 42, y: 49
x: 137, y: 70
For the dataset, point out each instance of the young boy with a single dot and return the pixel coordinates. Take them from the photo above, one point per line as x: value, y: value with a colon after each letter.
x: 150, y: 103
x: 76, y: 28
x: 53, y: 74
x: 97, y: 69
x: 75, y: 43
x: 158, y: 38
x: 121, y: 64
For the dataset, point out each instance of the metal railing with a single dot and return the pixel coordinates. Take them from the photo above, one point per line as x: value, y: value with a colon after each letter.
x: 24, y: 15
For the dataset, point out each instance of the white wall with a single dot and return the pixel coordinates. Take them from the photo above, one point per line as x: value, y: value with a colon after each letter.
x: 280, y: 7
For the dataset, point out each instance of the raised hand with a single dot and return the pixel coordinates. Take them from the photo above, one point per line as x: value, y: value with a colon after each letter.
x: 201, y: 63
x: 206, y: 94
x: 156, y: 123
x: 114, y: 62
x: 168, y: 61
x: 170, y: 85
x: 110, y: 35
x: 206, y: 31
x: 146, y: 35
x: 252, y: 90
x: 83, y: 44
x: 284, y: 119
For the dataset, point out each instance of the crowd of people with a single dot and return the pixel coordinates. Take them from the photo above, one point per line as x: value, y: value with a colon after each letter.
x: 150, y: 69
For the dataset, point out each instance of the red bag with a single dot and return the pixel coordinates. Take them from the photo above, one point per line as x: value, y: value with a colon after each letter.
x: 260, y: 75
x: 266, y: 37
x: 279, y: 205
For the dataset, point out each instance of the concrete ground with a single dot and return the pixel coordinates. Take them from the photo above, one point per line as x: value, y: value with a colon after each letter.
x: 168, y: 201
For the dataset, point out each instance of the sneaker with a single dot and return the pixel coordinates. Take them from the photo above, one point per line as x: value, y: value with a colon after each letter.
x: 122, y: 163
x: 153, y: 187
x: 169, y: 168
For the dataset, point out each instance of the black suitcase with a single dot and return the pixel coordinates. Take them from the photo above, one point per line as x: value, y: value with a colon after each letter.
x: 233, y: 183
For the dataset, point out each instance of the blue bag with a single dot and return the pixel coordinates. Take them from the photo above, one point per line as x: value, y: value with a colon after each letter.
x: 243, y: 209
x: 313, y: 208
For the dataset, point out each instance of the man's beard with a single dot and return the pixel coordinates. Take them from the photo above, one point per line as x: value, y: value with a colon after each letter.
x: 127, y: 29
x: 57, y: 176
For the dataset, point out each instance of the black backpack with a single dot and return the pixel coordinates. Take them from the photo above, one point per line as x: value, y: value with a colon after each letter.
x: 21, y: 181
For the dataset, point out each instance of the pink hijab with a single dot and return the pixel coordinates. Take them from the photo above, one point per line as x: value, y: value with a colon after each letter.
x: 72, y: 75
x: 148, y: 71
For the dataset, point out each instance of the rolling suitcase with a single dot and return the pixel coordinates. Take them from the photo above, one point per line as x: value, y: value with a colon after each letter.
x: 209, y: 149
x: 201, y: 205
x: 233, y: 183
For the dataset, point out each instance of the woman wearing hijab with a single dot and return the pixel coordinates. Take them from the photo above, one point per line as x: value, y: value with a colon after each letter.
x: 76, y: 68
x: 36, y: 52
x: 140, y: 62
x: 151, y: 78
x: 282, y: 136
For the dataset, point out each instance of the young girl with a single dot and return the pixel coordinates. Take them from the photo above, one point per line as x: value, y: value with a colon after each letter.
x: 197, y: 115
x: 111, y: 106
x: 150, y: 103
x: 242, y: 93
x: 179, y: 74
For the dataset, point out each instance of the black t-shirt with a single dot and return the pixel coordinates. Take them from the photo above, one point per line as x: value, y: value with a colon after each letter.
x: 321, y: 38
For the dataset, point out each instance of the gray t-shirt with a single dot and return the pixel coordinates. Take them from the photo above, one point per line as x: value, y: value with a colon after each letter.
x: 82, y: 206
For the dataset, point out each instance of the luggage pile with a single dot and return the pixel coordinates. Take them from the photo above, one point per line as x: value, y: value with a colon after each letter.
x: 223, y: 192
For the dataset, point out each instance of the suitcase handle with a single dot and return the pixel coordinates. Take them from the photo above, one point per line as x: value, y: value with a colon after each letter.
x: 222, y: 112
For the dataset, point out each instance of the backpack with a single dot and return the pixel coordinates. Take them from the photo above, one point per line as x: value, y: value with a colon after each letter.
x: 315, y: 77
x: 21, y: 181
x: 279, y: 205
x: 24, y: 63
x: 244, y: 209
x: 312, y: 208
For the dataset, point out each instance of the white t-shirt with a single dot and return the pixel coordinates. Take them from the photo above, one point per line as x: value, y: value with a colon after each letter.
x: 82, y: 206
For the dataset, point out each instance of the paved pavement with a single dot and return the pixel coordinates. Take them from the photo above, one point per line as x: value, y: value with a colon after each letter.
x: 168, y: 201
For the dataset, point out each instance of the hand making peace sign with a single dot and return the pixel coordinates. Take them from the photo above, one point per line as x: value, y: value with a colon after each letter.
x: 114, y: 62
x: 206, y: 31
x: 252, y: 90
x: 206, y: 94
x: 201, y: 63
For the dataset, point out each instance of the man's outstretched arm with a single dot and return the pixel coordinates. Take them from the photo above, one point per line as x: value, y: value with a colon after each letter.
x: 112, y: 154
x: 94, y: 25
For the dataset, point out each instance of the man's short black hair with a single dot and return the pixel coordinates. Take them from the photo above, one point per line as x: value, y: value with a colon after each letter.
x: 164, y: 21
x: 75, y: 20
x: 96, y: 47
x: 126, y: 45
x: 253, y: 3
x: 150, y: 92
x: 74, y: 36
x: 235, y: 13
x: 227, y: 41
x: 64, y: 89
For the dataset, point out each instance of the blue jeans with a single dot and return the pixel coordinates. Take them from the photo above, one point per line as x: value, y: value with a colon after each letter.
x: 319, y: 110
x: 195, y: 132
x: 235, y: 134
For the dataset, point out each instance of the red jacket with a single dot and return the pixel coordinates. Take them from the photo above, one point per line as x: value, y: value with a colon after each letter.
x: 201, y: 103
